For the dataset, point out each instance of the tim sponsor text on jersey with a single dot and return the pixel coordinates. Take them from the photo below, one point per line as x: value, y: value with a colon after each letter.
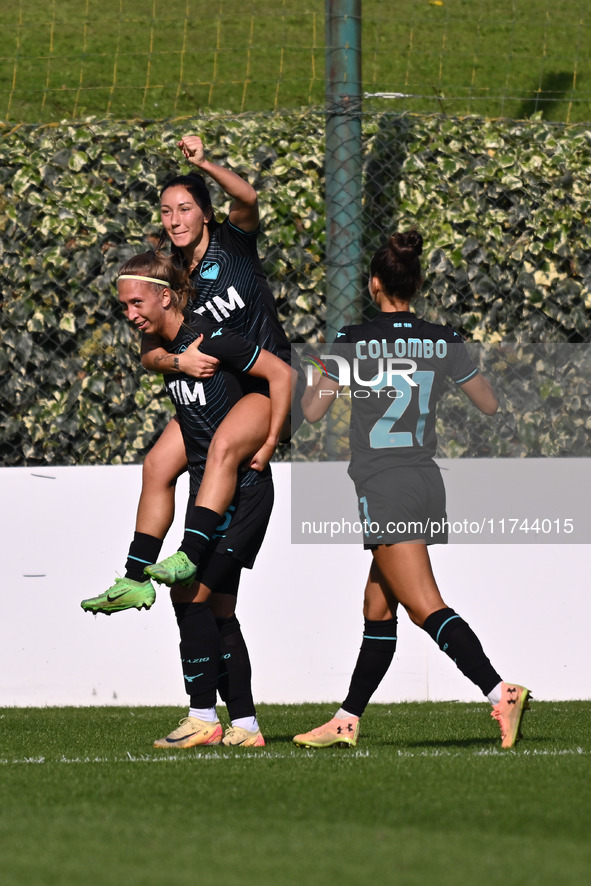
x: 220, y: 309
x: 183, y: 393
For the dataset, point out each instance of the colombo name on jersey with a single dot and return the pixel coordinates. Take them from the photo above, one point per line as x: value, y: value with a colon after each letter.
x: 398, y: 370
x: 201, y: 404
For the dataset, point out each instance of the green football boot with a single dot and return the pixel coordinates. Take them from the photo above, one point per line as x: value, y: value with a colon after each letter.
x: 125, y: 594
x: 174, y: 570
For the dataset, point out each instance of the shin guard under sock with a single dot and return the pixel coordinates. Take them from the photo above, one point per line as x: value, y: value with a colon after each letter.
x: 200, y: 652
x: 457, y: 639
x: 374, y: 659
x: 199, y: 528
x: 143, y: 551
x: 234, y: 681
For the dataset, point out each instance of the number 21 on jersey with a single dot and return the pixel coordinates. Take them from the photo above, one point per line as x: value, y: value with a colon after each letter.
x: 383, y: 434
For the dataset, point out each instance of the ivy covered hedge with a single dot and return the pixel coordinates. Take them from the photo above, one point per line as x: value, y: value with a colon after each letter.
x: 503, y: 207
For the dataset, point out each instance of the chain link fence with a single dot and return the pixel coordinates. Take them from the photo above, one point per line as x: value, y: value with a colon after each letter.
x: 503, y: 207
x: 69, y: 60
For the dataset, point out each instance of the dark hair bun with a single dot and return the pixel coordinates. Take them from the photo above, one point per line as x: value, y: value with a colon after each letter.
x: 407, y: 245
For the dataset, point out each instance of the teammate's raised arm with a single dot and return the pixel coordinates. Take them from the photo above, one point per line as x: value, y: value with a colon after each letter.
x: 244, y: 211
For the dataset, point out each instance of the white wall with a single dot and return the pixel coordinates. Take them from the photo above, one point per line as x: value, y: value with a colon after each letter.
x: 65, y: 536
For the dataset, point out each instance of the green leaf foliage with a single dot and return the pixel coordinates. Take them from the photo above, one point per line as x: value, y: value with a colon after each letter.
x: 503, y: 208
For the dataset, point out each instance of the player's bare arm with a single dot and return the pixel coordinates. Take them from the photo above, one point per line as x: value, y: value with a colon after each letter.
x: 191, y: 362
x: 244, y: 211
x: 278, y: 375
x: 319, y: 396
x: 481, y: 393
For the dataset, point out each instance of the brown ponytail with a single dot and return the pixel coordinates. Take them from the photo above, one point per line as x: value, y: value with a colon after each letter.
x: 397, y: 266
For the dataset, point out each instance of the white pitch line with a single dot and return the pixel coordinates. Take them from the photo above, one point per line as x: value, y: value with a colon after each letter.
x: 181, y: 757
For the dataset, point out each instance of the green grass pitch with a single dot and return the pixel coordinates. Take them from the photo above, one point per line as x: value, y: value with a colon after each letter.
x: 428, y: 796
x: 157, y: 60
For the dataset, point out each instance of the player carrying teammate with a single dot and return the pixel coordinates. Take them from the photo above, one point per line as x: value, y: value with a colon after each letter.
x: 153, y: 294
x: 229, y: 287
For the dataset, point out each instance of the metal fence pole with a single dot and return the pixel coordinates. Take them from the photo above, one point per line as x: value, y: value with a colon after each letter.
x: 342, y: 180
x: 343, y: 163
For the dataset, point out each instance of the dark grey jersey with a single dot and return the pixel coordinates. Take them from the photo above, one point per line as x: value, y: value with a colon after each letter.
x: 231, y: 289
x: 201, y: 404
x: 398, y: 366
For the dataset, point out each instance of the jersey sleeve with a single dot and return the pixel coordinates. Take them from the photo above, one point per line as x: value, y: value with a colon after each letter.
x: 226, y: 346
x: 237, y: 241
x: 337, y: 351
x: 462, y: 367
x: 342, y: 337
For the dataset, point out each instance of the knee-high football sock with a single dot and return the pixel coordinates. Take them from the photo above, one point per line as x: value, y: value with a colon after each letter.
x: 234, y: 681
x: 199, y: 528
x: 200, y: 652
x: 375, y: 656
x: 143, y: 551
x: 457, y: 639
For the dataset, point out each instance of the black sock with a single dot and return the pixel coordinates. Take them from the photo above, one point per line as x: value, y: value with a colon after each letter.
x: 199, y: 528
x: 200, y: 652
x: 143, y: 551
x: 457, y: 639
x: 234, y: 680
x: 375, y: 657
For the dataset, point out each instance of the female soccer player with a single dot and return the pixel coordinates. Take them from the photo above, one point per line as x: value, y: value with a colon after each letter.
x: 230, y: 288
x: 154, y: 295
x: 401, y: 365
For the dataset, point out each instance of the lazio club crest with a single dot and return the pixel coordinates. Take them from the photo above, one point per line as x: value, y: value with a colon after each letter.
x: 209, y: 270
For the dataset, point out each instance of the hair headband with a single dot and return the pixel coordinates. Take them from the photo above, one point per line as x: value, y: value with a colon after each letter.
x: 148, y: 279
